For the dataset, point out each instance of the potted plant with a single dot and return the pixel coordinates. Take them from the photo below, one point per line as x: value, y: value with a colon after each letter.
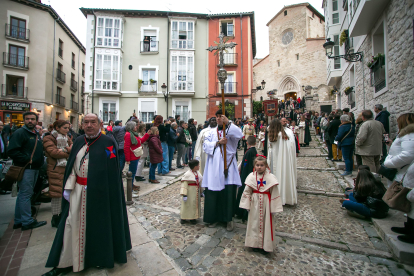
x: 343, y: 37
x: 140, y: 84
x: 377, y: 60
x: 348, y: 90
x: 153, y: 81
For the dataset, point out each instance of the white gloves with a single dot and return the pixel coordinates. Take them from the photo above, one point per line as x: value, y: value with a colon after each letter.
x: 66, y: 194
x: 184, y: 198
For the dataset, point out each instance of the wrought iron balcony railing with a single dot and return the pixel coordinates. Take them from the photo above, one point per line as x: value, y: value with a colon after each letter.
x: 230, y: 59
x: 74, y: 106
x: 60, y: 76
x: 15, y: 91
x: 13, y: 60
x: 229, y: 88
x: 73, y: 85
x: 17, y: 33
x: 60, y: 100
x: 149, y: 47
x: 378, y: 78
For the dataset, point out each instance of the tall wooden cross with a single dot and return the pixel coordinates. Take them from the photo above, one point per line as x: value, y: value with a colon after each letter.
x: 221, y: 47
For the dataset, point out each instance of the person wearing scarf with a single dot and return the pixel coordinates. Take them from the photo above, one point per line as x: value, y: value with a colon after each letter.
x: 57, y: 146
x: 132, y: 142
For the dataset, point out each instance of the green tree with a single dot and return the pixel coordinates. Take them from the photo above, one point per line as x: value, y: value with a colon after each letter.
x: 229, y: 108
x: 257, y: 107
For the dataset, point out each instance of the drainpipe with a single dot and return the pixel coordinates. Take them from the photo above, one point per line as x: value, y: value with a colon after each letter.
x: 241, y: 52
x: 363, y: 78
x: 93, y: 66
x: 78, y: 85
x: 168, y: 57
x: 53, y: 70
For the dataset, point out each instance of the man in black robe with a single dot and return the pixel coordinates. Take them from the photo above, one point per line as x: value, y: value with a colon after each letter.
x: 246, y: 167
x: 93, y: 230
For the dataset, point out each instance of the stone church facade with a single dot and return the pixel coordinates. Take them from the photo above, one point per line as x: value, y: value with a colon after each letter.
x: 296, y: 61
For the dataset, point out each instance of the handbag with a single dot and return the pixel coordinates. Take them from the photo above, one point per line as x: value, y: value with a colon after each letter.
x: 396, y: 197
x: 138, y: 151
x: 388, y: 173
x: 15, y: 173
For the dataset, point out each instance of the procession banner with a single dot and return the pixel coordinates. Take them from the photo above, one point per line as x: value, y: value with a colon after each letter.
x: 270, y: 107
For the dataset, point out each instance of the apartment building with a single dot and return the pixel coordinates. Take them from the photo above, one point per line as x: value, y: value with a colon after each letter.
x: 238, y: 62
x: 382, y: 31
x: 131, y: 55
x: 43, y: 65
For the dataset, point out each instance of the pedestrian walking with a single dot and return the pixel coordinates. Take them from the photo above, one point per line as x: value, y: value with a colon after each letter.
x: 93, y: 230
x: 57, y: 146
x: 26, y: 150
x: 155, y: 153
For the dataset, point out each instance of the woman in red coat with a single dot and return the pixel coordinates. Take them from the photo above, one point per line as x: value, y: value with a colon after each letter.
x: 155, y: 153
x: 131, y: 142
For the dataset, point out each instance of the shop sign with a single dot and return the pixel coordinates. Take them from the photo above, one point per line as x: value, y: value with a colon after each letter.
x: 15, y: 106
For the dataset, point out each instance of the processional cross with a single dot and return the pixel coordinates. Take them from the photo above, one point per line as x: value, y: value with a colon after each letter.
x: 222, y: 76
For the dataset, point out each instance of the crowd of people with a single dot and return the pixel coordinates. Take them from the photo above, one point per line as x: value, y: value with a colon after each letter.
x: 253, y: 189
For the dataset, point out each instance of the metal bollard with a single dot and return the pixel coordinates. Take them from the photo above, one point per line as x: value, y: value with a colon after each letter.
x: 129, y: 188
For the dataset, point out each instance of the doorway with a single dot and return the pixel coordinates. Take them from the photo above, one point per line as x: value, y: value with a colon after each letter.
x: 326, y: 108
x: 289, y: 95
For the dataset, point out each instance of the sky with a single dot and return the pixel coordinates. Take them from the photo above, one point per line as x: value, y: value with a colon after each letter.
x: 264, y: 11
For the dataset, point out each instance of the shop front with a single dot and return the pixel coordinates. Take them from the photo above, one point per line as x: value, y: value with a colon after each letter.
x: 12, y: 112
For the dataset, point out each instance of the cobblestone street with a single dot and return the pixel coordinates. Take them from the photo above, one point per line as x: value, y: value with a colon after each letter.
x: 316, y: 237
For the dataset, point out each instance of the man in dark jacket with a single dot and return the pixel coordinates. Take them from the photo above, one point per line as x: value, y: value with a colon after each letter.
x: 119, y: 134
x: 3, y: 142
x: 72, y: 134
x: 21, y: 147
x: 180, y: 144
x: 172, y: 143
x: 383, y: 117
x: 332, y: 130
x: 164, y: 129
x: 193, y: 133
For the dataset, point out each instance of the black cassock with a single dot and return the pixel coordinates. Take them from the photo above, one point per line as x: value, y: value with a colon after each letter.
x: 308, y: 137
x: 107, y: 228
x: 246, y: 169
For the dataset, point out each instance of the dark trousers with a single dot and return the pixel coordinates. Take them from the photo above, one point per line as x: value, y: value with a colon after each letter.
x: 358, y: 159
x: 121, y: 155
x: 356, y: 207
x: 384, y: 153
x: 219, y: 206
x: 347, y: 154
x: 329, y: 146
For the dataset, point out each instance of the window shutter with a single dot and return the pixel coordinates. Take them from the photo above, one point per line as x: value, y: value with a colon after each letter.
x: 147, y: 106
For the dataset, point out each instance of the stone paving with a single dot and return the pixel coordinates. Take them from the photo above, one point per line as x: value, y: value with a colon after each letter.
x: 315, y: 237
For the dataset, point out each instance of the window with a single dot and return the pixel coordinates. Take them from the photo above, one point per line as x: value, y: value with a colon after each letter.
x: 227, y: 28
x: 150, y: 41
x: 82, y: 110
x: 337, y: 61
x: 83, y: 87
x: 107, y: 72
x: 60, y: 52
x: 297, y: 56
x: 229, y: 85
x: 182, y: 73
x: 59, y: 91
x: 351, y: 96
x: 278, y: 63
x: 83, y: 69
x: 18, y: 28
x: 378, y: 70
x: 109, y: 112
x: 335, y: 13
x: 147, y: 85
x: 229, y: 57
x: 285, y: 13
x: 147, y: 111
x: 57, y: 115
x: 109, y: 32
x: 14, y: 87
x: 73, y: 60
x: 182, y: 35
x: 16, y: 56
x: 72, y: 120
x: 181, y: 108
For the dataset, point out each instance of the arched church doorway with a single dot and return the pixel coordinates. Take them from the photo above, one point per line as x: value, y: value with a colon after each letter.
x: 289, y: 95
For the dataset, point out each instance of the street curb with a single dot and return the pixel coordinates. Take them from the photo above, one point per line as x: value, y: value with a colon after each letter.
x: 321, y: 193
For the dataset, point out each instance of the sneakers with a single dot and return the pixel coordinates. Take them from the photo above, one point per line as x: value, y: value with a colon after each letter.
x: 33, y: 225
x: 346, y: 173
x: 180, y: 167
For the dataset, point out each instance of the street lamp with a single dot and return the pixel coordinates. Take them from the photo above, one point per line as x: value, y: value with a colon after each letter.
x: 351, y: 57
x: 261, y: 87
x: 164, y: 91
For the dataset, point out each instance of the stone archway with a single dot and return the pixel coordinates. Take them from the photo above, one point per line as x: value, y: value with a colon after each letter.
x: 289, y: 87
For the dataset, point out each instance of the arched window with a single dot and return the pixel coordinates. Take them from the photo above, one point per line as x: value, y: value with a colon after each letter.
x: 261, y: 98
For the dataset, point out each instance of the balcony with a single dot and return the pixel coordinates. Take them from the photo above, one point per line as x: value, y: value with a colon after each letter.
x: 378, y: 77
x: 15, y: 61
x: 150, y: 47
x: 83, y: 72
x: 74, y: 106
x: 14, y: 91
x: 83, y: 89
x: 229, y: 88
x: 334, y: 75
x: 230, y: 59
x: 60, y: 100
x: 345, y: 5
x: 60, y: 76
x: 17, y: 33
x: 182, y: 44
x: 73, y: 85
x: 364, y: 15
x: 148, y: 87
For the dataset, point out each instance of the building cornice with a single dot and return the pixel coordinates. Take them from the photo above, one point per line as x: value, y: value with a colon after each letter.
x: 309, y: 6
x: 55, y: 15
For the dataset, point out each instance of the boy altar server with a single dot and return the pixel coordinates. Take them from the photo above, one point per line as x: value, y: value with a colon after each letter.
x: 190, y: 190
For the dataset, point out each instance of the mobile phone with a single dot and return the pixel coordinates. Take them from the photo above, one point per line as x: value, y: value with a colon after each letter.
x: 386, y: 138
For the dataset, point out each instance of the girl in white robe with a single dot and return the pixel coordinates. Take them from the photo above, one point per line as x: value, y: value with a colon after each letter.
x: 261, y: 198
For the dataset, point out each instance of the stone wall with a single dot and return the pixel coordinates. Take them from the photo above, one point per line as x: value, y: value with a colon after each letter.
x: 399, y: 98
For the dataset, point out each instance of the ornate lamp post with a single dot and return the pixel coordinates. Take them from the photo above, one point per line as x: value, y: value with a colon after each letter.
x: 351, y: 57
x: 261, y: 87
